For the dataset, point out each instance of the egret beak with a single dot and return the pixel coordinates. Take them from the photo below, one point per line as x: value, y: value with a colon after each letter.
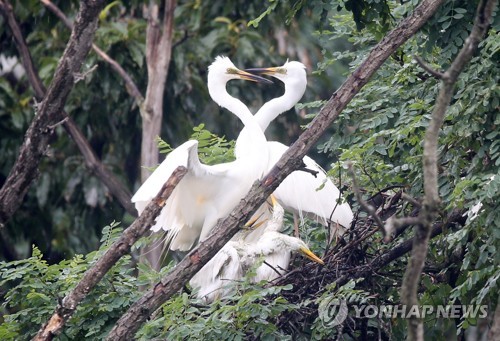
x: 251, y: 77
x: 270, y: 71
x: 273, y: 200
x: 309, y: 254
x: 252, y: 223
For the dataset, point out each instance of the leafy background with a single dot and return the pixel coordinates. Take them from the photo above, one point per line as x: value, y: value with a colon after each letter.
x: 381, y: 132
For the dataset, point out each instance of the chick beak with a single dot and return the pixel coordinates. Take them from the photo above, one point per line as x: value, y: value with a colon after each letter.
x: 254, y: 222
x: 309, y: 254
x: 251, y: 77
x: 273, y: 200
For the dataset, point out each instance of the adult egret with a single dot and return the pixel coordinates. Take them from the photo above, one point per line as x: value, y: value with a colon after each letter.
x: 300, y: 192
x: 232, y: 262
x: 207, y: 193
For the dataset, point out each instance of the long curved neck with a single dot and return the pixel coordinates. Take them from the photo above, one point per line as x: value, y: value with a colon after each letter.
x: 234, y: 105
x: 273, y: 108
x: 252, y: 130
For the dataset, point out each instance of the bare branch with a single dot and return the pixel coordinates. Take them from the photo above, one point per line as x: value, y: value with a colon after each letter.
x: 367, y: 207
x: 394, y: 225
x: 427, y: 68
x: 411, y: 200
x: 80, y: 76
x: 119, y: 248
x: 50, y: 109
x: 130, y: 85
x: 431, y: 201
x: 92, y: 162
x: 131, y: 321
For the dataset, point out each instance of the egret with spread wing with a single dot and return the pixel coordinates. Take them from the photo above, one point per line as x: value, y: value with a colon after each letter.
x: 207, y: 193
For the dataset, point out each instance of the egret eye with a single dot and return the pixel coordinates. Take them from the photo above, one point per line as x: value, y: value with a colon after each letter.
x: 281, y: 70
x: 231, y: 71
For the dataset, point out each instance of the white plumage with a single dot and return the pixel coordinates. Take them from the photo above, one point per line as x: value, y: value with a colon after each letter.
x: 301, y: 192
x: 233, y: 261
x: 207, y: 193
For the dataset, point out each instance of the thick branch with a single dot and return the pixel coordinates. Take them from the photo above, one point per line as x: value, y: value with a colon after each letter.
x: 118, y: 190
x: 130, y: 85
x: 131, y: 321
x: 119, y: 248
x: 50, y: 109
x: 430, y: 165
x: 494, y: 333
x: 159, y: 36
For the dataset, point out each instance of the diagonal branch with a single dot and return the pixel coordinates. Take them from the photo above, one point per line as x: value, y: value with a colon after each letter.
x: 92, y: 161
x: 49, y: 111
x: 119, y: 248
x: 130, y: 85
x: 431, y: 201
x: 138, y: 313
x: 367, y: 207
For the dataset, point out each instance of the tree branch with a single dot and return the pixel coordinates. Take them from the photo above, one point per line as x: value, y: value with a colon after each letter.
x: 131, y: 321
x: 367, y: 207
x: 158, y: 55
x: 50, y: 109
x: 159, y: 35
x: 428, y: 69
x: 119, y: 191
x: 494, y: 333
x: 130, y: 85
x: 431, y: 200
x: 119, y: 248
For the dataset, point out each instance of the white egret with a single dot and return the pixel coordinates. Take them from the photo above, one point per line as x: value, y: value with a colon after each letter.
x: 275, y: 247
x: 231, y: 263
x: 207, y: 193
x: 301, y: 192
x: 214, y: 280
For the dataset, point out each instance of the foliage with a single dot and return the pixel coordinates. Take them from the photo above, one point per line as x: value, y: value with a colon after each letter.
x: 36, y: 287
x: 212, y: 149
x: 381, y: 131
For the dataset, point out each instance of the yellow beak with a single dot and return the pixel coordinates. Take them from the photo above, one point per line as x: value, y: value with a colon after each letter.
x: 309, y: 254
x: 251, y: 77
x: 273, y: 200
x: 270, y: 71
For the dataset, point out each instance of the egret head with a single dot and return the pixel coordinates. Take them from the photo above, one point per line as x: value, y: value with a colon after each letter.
x: 222, y: 70
x: 302, y: 248
x: 290, y: 73
x: 281, y: 241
